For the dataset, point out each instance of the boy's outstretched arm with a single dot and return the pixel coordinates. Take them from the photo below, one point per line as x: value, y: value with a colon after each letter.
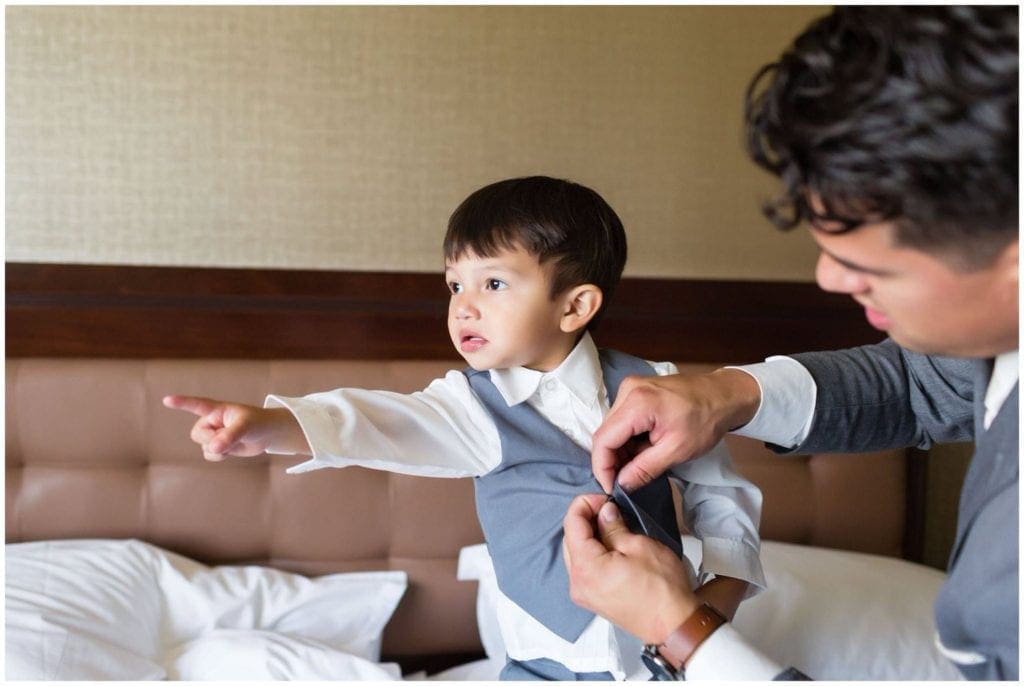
x: 225, y: 428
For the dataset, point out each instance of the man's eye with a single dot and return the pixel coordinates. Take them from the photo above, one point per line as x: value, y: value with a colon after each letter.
x: 496, y: 285
x: 455, y: 287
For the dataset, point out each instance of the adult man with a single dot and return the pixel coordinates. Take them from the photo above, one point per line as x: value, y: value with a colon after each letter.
x: 894, y: 132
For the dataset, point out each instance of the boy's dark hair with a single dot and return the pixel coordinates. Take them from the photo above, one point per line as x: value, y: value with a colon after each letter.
x: 906, y: 114
x: 554, y: 219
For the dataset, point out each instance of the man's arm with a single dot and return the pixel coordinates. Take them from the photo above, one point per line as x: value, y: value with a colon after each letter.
x: 882, y: 396
x: 867, y: 398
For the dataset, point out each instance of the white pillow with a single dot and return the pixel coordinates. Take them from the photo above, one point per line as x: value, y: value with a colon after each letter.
x: 833, y: 614
x: 105, y: 609
x: 839, y: 615
x: 251, y: 655
x: 475, y: 565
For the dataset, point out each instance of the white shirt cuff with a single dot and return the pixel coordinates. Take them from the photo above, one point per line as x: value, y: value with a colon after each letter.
x: 736, y: 559
x: 315, y: 422
x: 788, y: 393
x: 726, y: 656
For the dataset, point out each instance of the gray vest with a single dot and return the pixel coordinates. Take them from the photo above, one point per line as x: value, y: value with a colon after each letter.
x: 976, y: 609
x: 521, y: 503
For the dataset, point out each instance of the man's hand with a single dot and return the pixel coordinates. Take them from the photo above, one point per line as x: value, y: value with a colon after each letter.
x: 631, y: 580
x: 241, y: 430
x: 683, y: 417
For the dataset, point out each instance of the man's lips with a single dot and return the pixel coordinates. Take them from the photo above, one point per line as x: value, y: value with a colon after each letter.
x: 876, y: 318
x: 471, y: 342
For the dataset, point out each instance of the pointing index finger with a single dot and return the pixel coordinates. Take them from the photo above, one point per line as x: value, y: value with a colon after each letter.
x: 196, y: 405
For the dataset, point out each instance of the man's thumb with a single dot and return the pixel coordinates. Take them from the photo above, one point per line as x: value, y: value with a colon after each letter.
x: 610, y: 525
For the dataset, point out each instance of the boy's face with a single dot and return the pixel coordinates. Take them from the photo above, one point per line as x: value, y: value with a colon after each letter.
x: 501, y: 313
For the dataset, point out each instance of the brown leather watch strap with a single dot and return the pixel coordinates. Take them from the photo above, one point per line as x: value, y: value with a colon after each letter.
x: 681, y: 643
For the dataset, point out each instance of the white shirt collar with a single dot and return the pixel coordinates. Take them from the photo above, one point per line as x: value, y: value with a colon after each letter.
x: 580, y: 372
x: 1005, y: 374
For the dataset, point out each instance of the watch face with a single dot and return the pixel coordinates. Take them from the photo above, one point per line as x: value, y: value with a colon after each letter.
x: 656, y: 663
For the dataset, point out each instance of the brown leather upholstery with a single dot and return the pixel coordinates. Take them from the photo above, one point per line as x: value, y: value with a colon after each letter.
x: 91, y: 452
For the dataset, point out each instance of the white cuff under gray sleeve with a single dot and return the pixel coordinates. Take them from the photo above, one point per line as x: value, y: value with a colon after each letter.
x: 726, y: 656
x: 788, y: 393
x: 736, y: 559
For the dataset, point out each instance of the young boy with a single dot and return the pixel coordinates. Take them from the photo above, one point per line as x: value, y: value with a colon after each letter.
x: 530, y: 264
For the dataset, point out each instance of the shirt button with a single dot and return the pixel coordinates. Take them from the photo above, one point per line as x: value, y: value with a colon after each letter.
x: 550, y: 385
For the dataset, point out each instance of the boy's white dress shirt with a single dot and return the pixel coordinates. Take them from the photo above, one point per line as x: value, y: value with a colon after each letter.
x: 444, y: 431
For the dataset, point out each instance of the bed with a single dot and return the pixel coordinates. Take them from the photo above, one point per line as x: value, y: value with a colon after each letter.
x: 129, y: 557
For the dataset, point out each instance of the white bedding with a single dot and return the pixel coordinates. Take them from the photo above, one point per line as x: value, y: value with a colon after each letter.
x: 102, y: 609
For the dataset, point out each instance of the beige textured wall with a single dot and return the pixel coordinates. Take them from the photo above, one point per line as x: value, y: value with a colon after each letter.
x: 342, y: 137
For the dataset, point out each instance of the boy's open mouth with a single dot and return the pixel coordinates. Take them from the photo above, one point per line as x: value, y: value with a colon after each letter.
x: 471, y: 342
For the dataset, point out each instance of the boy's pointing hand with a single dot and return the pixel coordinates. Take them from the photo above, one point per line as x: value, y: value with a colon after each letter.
x: 225, y: 428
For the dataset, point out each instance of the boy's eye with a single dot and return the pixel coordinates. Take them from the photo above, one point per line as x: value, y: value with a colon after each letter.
x: 454, y: 287
x: 496, y: 285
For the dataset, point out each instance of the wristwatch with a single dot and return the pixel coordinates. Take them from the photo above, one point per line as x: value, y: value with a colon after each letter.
x: 667, y: 660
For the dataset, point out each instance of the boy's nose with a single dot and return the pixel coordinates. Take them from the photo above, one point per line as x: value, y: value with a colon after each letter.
x: 465, y: 309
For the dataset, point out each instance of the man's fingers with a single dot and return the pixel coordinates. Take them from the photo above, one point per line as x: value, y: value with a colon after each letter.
x: 194, y: 404
x: 605, y: 463
x: 579, y: 543
x: 618, y: 428
x: 646, y: 465
x: 610, y: 525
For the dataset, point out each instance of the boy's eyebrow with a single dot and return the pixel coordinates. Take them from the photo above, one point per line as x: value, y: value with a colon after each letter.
x: 488, y: 266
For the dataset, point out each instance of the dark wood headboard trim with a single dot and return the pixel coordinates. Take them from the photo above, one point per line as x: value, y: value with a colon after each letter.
x: 64, y: 310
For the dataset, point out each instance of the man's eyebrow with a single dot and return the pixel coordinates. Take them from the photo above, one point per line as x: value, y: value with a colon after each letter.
x: 853, y: 266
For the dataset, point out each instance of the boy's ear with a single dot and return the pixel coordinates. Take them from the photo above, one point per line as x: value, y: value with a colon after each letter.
x: 581, y: 304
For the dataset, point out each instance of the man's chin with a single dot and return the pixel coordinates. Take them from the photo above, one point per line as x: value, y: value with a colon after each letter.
x: 915, y: 346
x: 969, y: 349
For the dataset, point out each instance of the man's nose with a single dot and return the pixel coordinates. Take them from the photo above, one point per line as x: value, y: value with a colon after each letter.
x: 836, y: 278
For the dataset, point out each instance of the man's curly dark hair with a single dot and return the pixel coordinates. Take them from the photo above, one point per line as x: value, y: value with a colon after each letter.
x: 906, y: 114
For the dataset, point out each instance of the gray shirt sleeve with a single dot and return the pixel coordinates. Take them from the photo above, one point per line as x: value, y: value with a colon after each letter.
x: 881, y: 396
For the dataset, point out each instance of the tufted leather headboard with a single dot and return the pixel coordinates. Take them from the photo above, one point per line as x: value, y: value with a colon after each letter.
x: 91, y: 452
